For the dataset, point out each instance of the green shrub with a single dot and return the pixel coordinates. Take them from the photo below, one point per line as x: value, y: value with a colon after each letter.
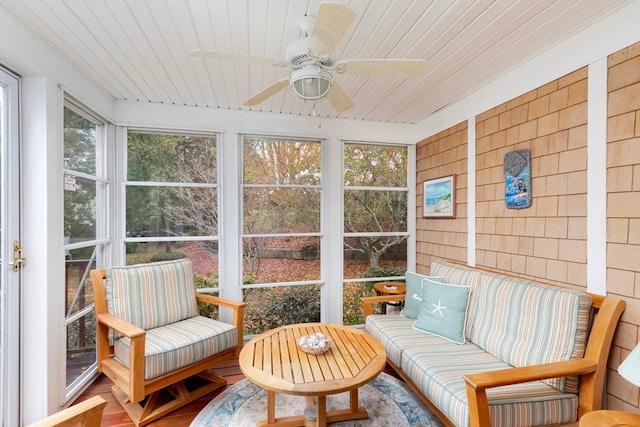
x: 209, y: 310
x: 167, y: 256
x: 210, y: 281
x: 381, y: 272
x: 274, y: 307
x: 132, y: 247
x: 384, y: 272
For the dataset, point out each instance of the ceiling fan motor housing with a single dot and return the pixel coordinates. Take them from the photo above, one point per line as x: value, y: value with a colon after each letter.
x: 311, y: 82
x: 297, y: 54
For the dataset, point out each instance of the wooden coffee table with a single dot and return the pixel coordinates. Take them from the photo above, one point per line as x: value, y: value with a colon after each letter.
x: 273, y: 361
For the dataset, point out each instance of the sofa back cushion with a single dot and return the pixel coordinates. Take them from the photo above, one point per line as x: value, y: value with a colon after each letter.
x: 152, y: 295
x: 526, y: 323
x: 414, y: 293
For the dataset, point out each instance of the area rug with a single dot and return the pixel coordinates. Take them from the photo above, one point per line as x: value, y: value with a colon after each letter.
x: 389, y: 402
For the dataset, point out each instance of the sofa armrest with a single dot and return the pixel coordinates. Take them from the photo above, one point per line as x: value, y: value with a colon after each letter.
x: 477, y: 384
x: 368, y: 302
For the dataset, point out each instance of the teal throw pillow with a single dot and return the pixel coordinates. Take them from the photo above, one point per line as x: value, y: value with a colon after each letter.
x: 444, y: 310
x: 413, y: 297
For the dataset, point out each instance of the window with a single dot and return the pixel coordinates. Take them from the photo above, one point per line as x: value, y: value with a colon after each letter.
x: 375, y: 221
x: 85, y: 186
x: 171, y: 200
x: 281, y: 232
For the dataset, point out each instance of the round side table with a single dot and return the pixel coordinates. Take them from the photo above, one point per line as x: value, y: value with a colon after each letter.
x: 606, y: 418
x: 390, y: 288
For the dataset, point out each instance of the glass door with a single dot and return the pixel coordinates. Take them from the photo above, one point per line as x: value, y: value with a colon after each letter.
x: 10, y: 251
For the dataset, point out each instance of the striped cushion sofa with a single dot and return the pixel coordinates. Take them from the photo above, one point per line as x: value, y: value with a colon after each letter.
x: 533, y: 354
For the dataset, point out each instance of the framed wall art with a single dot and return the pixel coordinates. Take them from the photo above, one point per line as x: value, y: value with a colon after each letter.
x: 439, y: 197
x: 517, y: 176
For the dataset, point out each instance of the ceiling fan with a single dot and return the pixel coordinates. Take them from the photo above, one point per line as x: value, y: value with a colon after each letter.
x: 312, y: 60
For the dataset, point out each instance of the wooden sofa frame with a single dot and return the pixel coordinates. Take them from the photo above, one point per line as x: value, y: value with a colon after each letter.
x: 130, y: 388
x: 592, y: 368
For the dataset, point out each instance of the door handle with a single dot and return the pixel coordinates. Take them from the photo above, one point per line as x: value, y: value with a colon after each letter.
x: 17, y: 259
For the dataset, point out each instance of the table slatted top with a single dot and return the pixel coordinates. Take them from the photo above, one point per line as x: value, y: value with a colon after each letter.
x: 274, y: 361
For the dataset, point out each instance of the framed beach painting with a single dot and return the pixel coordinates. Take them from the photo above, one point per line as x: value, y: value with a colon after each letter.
x: 439, y: 198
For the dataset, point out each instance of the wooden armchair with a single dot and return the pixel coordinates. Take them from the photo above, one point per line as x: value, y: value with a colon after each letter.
x: 151, y: 338
x: 87, y: 413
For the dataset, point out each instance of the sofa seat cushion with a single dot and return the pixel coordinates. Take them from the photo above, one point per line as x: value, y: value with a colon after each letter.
x: 438, y: 370
x: 180, y: 344
x: 395, y: 333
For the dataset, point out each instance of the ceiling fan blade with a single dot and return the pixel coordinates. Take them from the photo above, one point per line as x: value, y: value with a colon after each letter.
x: 338, y: 98
x: 332, y: 22
x: 212, y: 54
x: 383, y: 67
x: 267, y: 92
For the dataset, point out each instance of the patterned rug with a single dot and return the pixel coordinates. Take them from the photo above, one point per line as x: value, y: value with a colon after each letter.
x: 389, y: 402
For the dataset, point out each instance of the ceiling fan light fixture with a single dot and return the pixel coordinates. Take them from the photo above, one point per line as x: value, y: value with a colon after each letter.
x: 311, y: 82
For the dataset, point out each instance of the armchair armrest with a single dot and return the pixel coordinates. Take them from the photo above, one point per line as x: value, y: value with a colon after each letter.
x: 125, y: 328
x: 87, y: 413
x: 367, y: 302
x: 238, y: 313
x: 477, y: 384
x: 224, y: 302
x: 133, y: 386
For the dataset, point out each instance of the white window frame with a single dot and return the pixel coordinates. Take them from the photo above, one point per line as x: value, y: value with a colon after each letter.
x: 406, y: 189
x: 124, y: 183
x: 102, y: 240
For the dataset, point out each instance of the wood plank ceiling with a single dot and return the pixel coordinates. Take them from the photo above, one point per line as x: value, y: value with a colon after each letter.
x: 137, y: 49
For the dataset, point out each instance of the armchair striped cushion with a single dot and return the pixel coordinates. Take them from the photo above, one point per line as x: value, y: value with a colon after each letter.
x: 180, y: 344
x: 152, y: 295
x: 161, y: 299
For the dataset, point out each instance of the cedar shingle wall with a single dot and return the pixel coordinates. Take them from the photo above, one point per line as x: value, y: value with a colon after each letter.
x: 535, y: 242
x: 440, y: 155
x: 623, y: 213
x: 548, y: 241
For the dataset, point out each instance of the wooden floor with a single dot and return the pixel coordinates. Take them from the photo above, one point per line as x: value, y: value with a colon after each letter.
x: 114, y: 415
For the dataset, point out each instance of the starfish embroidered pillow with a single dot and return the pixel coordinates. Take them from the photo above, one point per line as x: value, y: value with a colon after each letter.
x: 444, y: 310
x: 413, y: 297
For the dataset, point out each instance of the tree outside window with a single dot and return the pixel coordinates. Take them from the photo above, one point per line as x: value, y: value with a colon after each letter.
x: 281, y: 231
x: 172, y: 211
x: 375, y: 221
x: 171, y: 200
